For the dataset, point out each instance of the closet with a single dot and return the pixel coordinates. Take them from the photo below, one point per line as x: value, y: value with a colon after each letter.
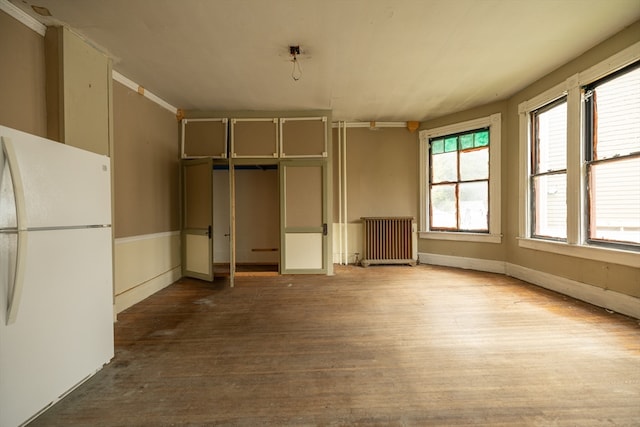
x: 255, y: 196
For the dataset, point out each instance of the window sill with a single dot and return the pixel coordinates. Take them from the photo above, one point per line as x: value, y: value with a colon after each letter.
x: 614, y: 256
x: 461, y: 237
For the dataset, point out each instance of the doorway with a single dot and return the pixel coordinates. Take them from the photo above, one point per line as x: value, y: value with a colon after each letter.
x: 256, y: 213
x: 257, y: 219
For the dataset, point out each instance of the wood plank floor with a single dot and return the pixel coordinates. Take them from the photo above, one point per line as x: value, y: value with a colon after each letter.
x: 383, y: 346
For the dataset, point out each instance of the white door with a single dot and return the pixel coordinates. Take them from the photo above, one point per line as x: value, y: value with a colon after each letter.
x: 304, y: 217
x: 197, y: 218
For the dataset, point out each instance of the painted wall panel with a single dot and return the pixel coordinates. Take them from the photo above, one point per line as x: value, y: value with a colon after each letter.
x: 144, y: 265
x: 382, y: 173
x: 22, y: 77
x: 78, y: 91
x: 146, y: 165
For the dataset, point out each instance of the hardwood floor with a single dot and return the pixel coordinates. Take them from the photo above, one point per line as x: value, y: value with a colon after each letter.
x: 382, y: 346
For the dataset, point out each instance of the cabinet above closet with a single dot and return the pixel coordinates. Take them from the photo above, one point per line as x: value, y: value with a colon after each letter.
x: 303, y: 137
x: 255, y: 138
x: 205, y: 138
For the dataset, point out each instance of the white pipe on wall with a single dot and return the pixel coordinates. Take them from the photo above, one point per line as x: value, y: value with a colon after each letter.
x: 340, y: 191
x: 368, y: 124
x: 344, y: 193
x: 343, y: 219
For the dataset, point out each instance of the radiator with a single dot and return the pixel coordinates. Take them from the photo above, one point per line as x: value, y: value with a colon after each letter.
x: 388, y: 241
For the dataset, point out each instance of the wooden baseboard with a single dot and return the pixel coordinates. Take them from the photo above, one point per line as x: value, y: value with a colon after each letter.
x: 611, y: 300
x: 146, y: 289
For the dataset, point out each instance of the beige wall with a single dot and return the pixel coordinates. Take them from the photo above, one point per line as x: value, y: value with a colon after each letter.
x: 22, y: 77
x: 146, y: 197
x: 489, y: 251
x: 146, y: 165
x: 78, y: 91
x: 604, y: 275
x: 382, y: 173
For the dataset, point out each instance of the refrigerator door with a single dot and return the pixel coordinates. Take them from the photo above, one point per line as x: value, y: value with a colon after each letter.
x: 53, y: 178
x: 8, y: 220
x: 64, y: 331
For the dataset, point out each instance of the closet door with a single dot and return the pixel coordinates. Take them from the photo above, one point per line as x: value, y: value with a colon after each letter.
x: 304, y: 217
x: 197, y: 218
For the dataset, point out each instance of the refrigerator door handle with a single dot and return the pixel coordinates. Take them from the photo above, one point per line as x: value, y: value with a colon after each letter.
x: 18, y: 191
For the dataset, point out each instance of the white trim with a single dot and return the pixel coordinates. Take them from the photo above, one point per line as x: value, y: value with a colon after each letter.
x: 136, y: 294
x: 524, y: 168
x: 145, y: 237
x: 467, y: 237
x: 613, y: 256
x: 125, y: 81
x: 423, y: 167
x: 460, y: 127
x: 576, y: 167
x: 23, y: 17
x: 135, y: 87
x: 368, y: 124
x: 575, y: 154
x: 546, y: 97
x: 494, y: 122
x: 611, y: 65
x: 490, y: 266
x: 595, y: 295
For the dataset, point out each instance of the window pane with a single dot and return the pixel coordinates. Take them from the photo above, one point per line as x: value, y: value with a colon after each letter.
x: 451, y: 144
x: 443, y: 206
x: 552, y: 139
x: 466, y: 141
x: 482, y: 138
x: 550, y: 201
x: 474, y: 206
x: 618, y: 116
x: 615, y: 201
x: 444, y: 167
x: 474, y: 164
x: 437, y: 146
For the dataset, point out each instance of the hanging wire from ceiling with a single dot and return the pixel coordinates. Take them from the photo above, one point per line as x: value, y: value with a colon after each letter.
x: 296, y: 70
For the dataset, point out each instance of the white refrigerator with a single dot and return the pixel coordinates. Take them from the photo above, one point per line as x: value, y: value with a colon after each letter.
x: 56, y: 291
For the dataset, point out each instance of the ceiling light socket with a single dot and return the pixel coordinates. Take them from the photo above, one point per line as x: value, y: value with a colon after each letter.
x: 294, y: 50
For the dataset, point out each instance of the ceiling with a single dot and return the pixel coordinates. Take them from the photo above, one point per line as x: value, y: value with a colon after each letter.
x: 381, y: 60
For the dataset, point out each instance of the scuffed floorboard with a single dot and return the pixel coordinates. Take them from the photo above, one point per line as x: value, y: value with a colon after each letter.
x: 383, y: 346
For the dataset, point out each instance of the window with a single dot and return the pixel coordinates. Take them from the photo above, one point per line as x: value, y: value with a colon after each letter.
x: 460, y: 181
x: 612, y: 132
x: 548, y: 184
x: 596, y: 180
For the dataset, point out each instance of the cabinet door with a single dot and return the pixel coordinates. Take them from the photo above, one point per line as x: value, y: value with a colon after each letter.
x: 254, y: 138
x: 204, y: 138
x: 197, y: 217
x: 303, y: 137
x: 304, y: 217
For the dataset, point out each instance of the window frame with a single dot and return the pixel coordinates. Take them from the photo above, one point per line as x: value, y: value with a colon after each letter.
x: 534, y: 164
x: 576, y: 244
x: 494, y: 235
x: 590, y: 161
